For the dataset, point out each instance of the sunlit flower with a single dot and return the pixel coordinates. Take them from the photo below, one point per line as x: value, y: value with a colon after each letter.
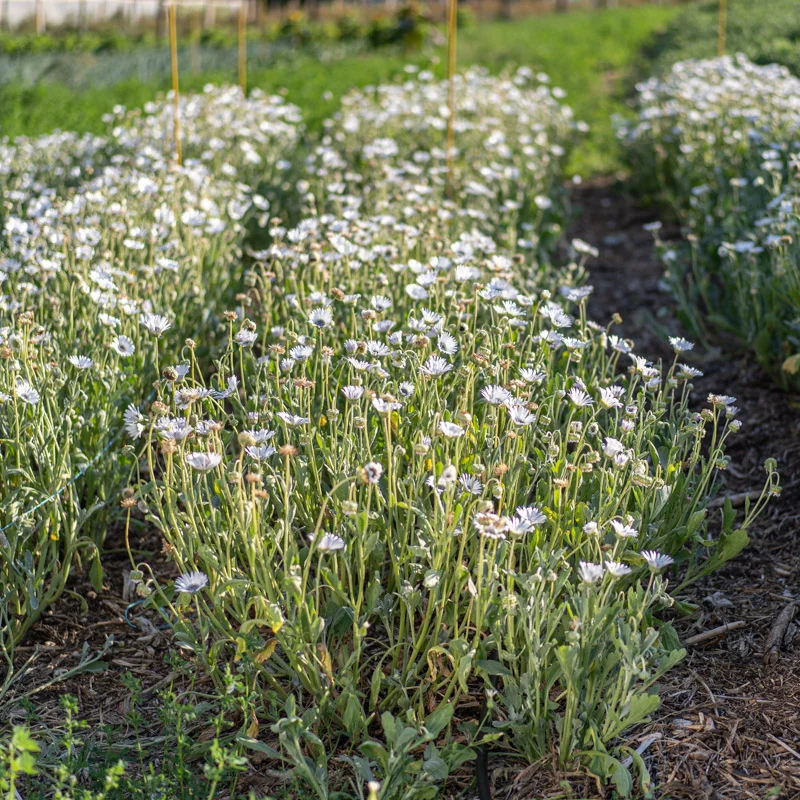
x: 26, y: 392
x: 134, y: 422
x: 656, y: 560
x: 579, y: 397
x: 624, y: 530
x: 450, y: 429
x: 329, y: 542
x: 589, y: 572
x: 435, y: 366
x: 81, y: 362
x: 203, y: 462
x: 617, y: 569
x: 373, y: 472
x: 123, y: 346
x: 191, y: 582
x: 155, y: 323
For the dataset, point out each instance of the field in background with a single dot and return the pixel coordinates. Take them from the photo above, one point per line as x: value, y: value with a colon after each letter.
x: 604, y: 47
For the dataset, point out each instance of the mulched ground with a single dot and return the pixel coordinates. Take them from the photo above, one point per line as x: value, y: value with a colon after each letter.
x: 729, y: 726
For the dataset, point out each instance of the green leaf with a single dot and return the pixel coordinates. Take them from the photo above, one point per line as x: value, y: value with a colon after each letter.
x: 22, y: 740
x: 439, y: 719
x: 96, y: 573
x: 621, y: 778
x: 640, y: 707
x: 353, y: 716
x: 259, y: 747
x: 491, y: 667
x: 733, y: 544
x: 695, y: 521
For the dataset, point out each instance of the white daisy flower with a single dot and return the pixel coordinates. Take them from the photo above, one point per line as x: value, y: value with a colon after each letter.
x: 191, y: 582
x: 203, y: 462
x: 123, y: 346
x: 81, y: 362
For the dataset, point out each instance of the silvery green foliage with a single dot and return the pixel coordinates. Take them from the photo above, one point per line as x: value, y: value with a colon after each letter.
x: 418, y: 464
x: 109, y: 251
x: 720, y: 137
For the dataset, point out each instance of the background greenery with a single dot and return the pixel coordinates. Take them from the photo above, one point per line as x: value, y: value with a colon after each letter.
x: 766, y: 31
x: 594, y: 56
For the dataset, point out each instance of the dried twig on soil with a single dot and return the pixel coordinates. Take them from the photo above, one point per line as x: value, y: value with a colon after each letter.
x: 737, y: 499
x: 714, y: 632
x: 776, y: 634
x: 785, y: 746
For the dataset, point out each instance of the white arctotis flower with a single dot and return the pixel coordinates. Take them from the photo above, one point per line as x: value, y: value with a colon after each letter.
x: 353, y: 393
x: 447, y: 343
x: 203, y: 462
x: 490, y: 525
x: 680, y: 345
x: 721, y: 400
x: 686, y: 372
x: 450, y: 429
x: 584, y: 248
x: 26, y: 392
x: 580, y: 398
x: 589, y: 572
x: 123, y: 346
x: 495, y: 395
x: 245, y: 337
x: 532, y: 515
x: 293, y: 420
x: 191, y: 582
x: 320, y: 317
x: 81, y: 362
x: 134, y: 422
x: 532, y: 375
x: 520, y: 415
x: 617, y: 568
x: 329, y: 542
x: 623, y: 529
x: 609, y: 396
x: 471, y: 484
x: 385, y: 406
x: 156, y: 324
x: 260, y: 452
x: 656, y: 560
x: 373, y: 471
x: 435, y: 366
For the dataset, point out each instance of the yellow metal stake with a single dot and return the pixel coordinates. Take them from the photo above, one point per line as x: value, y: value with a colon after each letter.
x: 452, y: 28
x: 173, y: 50
x: 723, y: 24
x: 243, y: 48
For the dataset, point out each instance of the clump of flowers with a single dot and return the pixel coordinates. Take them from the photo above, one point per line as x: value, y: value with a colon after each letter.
x: 720, y: 137
x: 110, y: 256
x: 419, y: 463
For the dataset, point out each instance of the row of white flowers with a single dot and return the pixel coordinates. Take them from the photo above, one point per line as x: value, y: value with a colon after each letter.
x: 419, y: 463
x: 721, y: 139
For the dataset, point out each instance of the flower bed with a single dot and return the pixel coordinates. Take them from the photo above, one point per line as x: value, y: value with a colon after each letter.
x: 110, y: 253
x: 720, y: 136
x: 418, y: 470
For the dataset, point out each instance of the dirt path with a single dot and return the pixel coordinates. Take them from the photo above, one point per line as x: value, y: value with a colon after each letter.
x: 729, y: 726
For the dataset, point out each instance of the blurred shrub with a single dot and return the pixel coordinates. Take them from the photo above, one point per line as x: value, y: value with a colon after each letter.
x: 766, y: 31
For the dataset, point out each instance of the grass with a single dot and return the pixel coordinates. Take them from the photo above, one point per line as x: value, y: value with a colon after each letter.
x: 593, y: 55
x: 766, y: 32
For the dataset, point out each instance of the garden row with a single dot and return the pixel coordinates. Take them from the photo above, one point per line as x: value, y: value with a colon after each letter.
x: 399, y: 467
x: 721, y: 139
